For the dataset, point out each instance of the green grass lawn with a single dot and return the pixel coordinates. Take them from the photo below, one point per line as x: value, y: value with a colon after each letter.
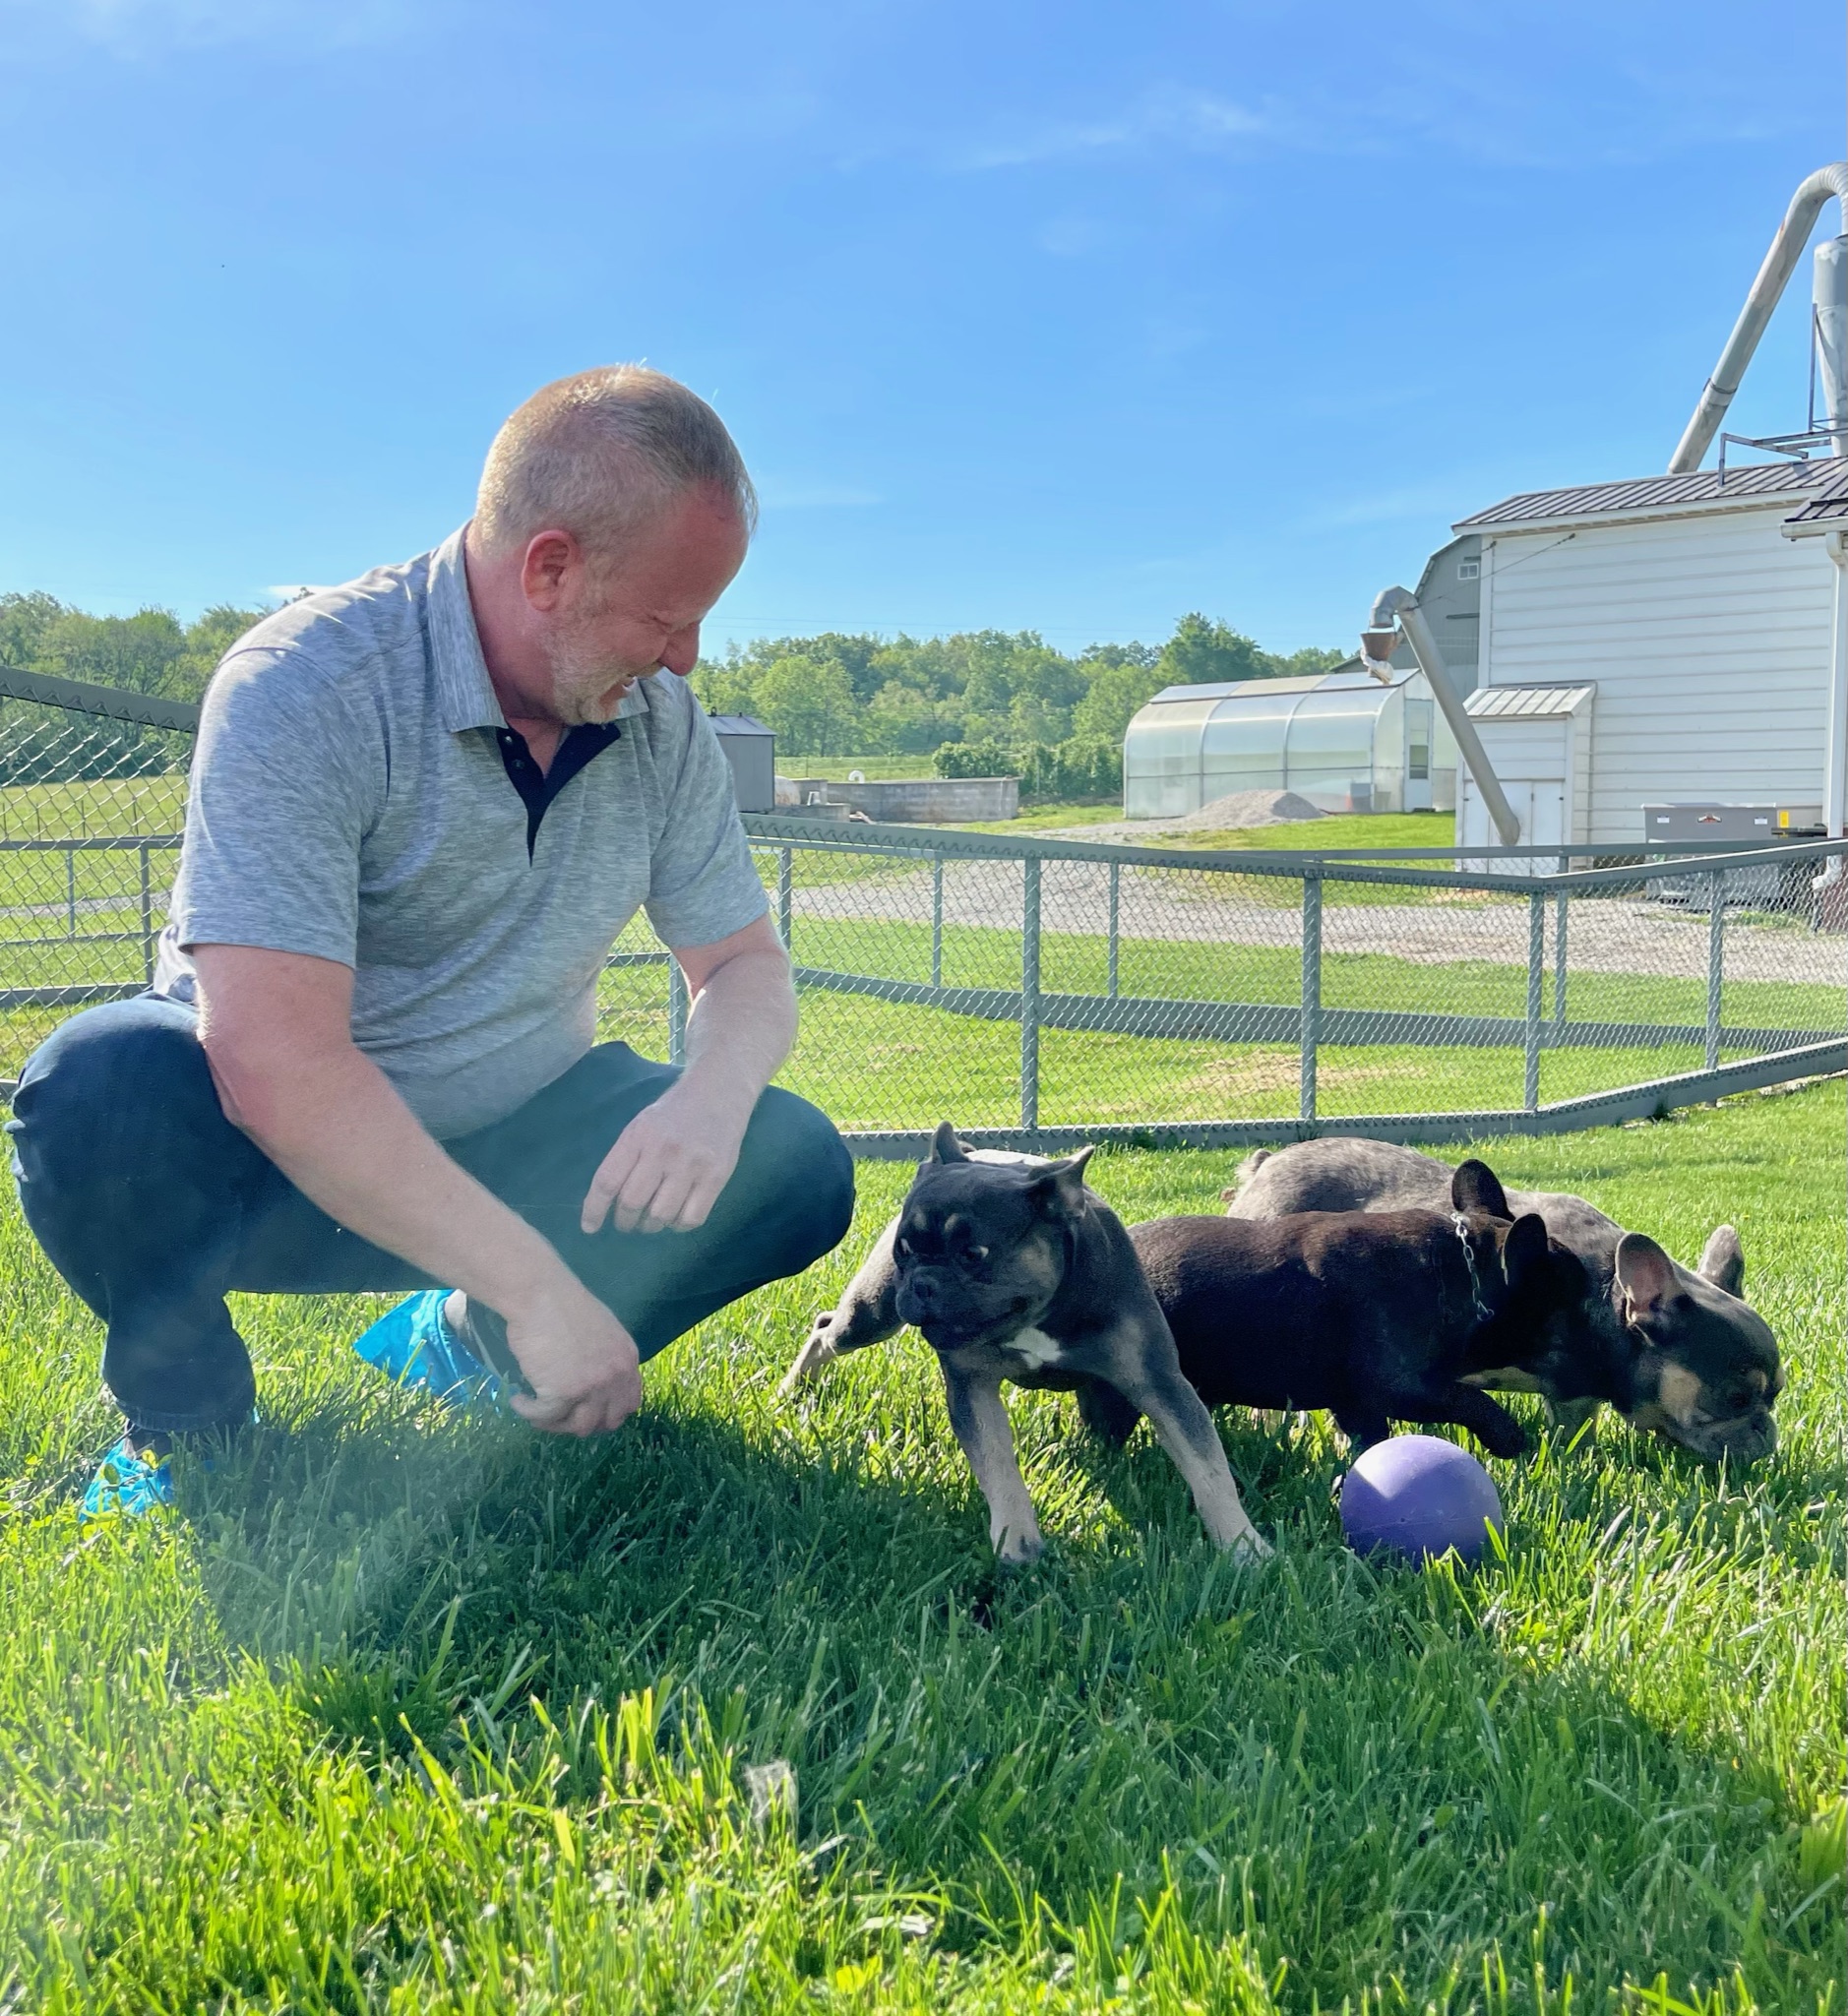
x: 1338, y: 830
x: 413, y: 1712
x: 838, y: 768
x: 97, y: 808
x: 910, y: 1065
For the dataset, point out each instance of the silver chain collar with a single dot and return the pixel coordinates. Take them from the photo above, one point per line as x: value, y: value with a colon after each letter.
x: 1484, y: 1314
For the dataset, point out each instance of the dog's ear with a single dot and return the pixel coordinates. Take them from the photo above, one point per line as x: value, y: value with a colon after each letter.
x: 1645, y: 1274
x: 1476, y: 1187
x: 1062, y: 1184
x: 1724, y: 1262
x: 945, y: 1147
x: 1524, y: 1249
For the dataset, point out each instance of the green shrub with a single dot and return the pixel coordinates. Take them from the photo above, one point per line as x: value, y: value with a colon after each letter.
x: 1082, y: 766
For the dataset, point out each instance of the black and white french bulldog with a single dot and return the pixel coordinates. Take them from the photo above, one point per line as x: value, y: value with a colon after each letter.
x: 1677, y: 1352
x: 1016, y: 1271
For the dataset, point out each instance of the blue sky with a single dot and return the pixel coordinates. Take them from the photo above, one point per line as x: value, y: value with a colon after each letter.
x: 1069, y: 316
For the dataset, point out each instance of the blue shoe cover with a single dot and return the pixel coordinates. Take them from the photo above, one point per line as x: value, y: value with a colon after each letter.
x: 415, y: 1346
x: 128, y: 1485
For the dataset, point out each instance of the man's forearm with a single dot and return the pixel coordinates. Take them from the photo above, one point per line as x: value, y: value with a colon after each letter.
x: 337, y: 1129
x: 741, y: 1029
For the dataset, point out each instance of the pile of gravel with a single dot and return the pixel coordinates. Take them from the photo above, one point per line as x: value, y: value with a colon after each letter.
x: 1242, y: 809
x: 1224, y: 815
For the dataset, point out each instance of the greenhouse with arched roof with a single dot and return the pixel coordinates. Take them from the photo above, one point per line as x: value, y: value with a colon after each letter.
x: 1343, y: 739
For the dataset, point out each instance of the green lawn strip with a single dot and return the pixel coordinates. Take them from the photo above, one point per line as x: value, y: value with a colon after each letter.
x: 1337, y: 830
x: 1208, y: 969
x: 876, y: 1066
x: 421, y: 1712
x: 838, y: 768
x: 87, y: 809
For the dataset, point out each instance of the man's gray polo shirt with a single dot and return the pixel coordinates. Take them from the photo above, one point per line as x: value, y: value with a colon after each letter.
x: 350, y: 800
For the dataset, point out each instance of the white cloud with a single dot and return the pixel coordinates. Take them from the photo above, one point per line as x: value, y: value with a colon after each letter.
x: 1164, y: 117
x: 145, y: 27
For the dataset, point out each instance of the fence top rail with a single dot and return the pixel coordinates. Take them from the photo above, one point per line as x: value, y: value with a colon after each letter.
x: 113, y: 842
x: 1375, y: 865
x: 113, y: 703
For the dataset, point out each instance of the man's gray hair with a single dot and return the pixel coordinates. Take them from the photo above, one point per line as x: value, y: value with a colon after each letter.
x: 601, y: 453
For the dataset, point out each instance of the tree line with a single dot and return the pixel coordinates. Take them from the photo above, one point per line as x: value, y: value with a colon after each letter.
x: 978, y: 704
x: 152, y: 651
x: 840, y: 695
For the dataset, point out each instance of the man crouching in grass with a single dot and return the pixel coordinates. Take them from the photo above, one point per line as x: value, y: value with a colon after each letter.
x: 423, y: 807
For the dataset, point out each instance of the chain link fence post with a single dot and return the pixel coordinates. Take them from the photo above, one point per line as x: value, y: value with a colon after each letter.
x: 1560, y: 903
x: 1030, y: 994
x: 1310, y: 1034
x: 147, y: 917
x: 937, y: 919
x: 1116, y: 911
x: 1716, y: 961
x: 1536, y: 975
x: 676, y: 1012
x: 785, y: 897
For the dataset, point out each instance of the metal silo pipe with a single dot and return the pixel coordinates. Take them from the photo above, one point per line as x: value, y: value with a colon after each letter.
x: 1376, y: 646
x: 1793, y: 234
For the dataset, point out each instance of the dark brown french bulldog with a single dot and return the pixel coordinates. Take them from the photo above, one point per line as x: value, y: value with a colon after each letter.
x: 1376, y: 1316
x: 1674, y: 1351
x: 1016, y: 1271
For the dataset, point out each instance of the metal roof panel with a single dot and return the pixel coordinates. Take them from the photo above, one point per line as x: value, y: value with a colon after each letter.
x: 1829, y: 507
x: 1529, y: 702
x: 1655, y: 493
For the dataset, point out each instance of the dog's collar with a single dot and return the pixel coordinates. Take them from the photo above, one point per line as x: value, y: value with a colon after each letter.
x: 1484, y: 1314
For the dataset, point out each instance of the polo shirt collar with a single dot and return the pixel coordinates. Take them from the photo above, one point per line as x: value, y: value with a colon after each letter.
x: 465, y: 693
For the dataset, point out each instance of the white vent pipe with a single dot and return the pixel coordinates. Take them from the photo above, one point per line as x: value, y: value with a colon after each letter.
x: 1377, y: 644
x: 1831, y: 300
x: 1793, y: 234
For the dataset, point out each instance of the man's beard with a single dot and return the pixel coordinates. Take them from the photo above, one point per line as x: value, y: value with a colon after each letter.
x: 588, y: 685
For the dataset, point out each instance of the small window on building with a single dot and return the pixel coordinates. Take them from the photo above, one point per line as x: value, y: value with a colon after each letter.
x: 1469, y: 569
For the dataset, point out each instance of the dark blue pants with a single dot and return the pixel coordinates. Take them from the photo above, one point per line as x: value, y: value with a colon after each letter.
x: 152, y: 1204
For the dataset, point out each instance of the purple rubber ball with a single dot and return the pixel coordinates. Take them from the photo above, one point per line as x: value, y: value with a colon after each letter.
x: 1419, y: 1496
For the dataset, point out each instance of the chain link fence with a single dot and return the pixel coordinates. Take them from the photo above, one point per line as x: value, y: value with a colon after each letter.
x: 93, y: 796
x: 1040, y: 993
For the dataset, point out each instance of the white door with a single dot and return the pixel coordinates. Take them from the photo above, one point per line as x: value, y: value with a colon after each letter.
x: 1419, y: 715
x: 1539, y: 802
x: 1533, y: 762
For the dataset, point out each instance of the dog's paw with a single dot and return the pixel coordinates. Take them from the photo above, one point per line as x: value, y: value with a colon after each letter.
x: 1506, y: 1440
x: 818, y: 1351
x: 1250, y: 1546
x: 1019, y: 1550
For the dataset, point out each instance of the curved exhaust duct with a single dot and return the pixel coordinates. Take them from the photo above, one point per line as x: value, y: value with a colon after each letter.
x: 1376, y: 644
x: 1773, y: 276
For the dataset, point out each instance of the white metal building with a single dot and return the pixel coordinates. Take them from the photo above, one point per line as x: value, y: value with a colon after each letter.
x: 1651, y: 642
x: 1343, y: 739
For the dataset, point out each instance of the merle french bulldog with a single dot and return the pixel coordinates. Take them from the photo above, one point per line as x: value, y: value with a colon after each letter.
x: 1674, y: 1351
x: 1378, y: 1316
x: 1015, y: 1270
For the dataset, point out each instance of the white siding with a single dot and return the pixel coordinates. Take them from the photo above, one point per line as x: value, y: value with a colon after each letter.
x: 1708, y: 638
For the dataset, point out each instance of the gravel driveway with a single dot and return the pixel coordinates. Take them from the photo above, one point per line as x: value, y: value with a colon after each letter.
x: 1606, y: 935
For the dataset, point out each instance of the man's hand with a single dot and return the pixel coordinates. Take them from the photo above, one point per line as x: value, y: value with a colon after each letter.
x: 578, y: 1359
x: 277, y: 1036
x: 669, y: 1163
